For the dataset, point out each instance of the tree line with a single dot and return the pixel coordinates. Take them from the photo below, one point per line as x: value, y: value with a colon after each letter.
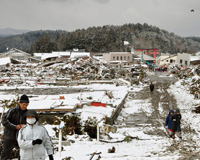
x: 107, y: 38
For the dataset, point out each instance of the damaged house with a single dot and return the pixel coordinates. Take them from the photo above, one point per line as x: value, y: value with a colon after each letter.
x: 16, y: 55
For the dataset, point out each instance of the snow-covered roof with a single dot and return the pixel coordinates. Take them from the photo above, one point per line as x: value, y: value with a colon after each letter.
x: 39, y: 54
x: 62, y: 53
x: 120, y: 53
x: 15, y: 51
x: 198, y: 53
x: 79, y: 54
x: 194, y: 58
x: 54, y: 54
x: 169, y: 57
x: 4, y: 61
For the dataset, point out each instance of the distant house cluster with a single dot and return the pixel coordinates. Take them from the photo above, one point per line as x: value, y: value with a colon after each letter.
x: 180, y: 59
x: 115, y: 59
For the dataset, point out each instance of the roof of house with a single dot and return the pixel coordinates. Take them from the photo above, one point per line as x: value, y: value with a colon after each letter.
x: 120, y: 53
x: 79, y: 54
x: 4, y: 61
x: 54, y: 54
x: 169, y: 57
x: 194, y: 58
x: 15, y: 51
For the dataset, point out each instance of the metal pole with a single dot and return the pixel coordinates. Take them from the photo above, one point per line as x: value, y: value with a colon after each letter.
x: 60, y: 142
x: 142, y: 57
x: 98, y: 132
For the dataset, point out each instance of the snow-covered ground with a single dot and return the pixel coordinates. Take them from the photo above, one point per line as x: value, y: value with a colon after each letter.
x: 148, y: 147
x: 145, y: 146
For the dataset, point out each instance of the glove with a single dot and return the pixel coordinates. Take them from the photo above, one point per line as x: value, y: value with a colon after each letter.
x: 51, y: 157
x: 37, y: 141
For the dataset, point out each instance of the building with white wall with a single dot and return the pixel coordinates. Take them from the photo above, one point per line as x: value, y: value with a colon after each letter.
x: 166, y: 59
x: 118, y: 59
x: 16, y: 54
x: 183, y: 59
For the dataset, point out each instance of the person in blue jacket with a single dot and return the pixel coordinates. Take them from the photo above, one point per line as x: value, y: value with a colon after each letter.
x: 168, y: 122
x: 176, y: 123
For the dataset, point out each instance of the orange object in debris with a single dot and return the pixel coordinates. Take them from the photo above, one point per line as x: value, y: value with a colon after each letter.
x: 62, y: 97
x: 97, y: 104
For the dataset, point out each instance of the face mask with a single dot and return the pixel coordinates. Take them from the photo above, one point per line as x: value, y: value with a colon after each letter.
x: 30, y: 120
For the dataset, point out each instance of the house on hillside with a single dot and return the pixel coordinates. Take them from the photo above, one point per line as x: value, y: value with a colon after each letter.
x: 16, y: 54
x: 118, y: 59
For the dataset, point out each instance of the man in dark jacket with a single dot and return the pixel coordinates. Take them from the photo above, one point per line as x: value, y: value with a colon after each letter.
x: 13, y: 121
x: 176, y: 123
x: 168, y: 122
x: 151, y: 87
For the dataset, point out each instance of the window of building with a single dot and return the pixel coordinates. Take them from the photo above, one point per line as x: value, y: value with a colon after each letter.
x: 128, y: 57
x: 113, y: 58
x: 171, y: 60
x: 181, y: 61
x: 121, y: 58
x: 117, y: 58
x: 185, y: 62
x: 124, y: 57
x: 166, y: 60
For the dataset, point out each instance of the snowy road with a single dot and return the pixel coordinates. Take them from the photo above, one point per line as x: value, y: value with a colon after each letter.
x: 150, y: 118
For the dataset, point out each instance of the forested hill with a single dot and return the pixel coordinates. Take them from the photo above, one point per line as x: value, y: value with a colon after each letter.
x: 24, y: 41
x: 103, y: 39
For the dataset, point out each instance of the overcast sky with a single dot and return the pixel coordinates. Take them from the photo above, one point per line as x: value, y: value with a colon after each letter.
x: 171, y: 15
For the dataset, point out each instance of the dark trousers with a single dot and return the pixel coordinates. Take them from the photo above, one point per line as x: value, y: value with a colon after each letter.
x: 8, y: 146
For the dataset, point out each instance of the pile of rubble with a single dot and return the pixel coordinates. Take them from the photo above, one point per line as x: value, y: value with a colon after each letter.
x: 191, y: 79
x: 64, y: 73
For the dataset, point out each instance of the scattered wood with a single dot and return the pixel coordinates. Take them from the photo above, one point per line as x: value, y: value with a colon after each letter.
x: 125, y: 139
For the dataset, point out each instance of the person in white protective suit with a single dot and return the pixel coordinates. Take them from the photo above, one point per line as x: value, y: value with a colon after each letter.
x: 33, y: 139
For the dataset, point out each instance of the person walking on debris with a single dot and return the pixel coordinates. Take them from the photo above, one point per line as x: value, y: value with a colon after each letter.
x: 168, y: 122
x: 33, y: 139
x: 151, y: 87
x: 176, y: 124
x: 13, y: 121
